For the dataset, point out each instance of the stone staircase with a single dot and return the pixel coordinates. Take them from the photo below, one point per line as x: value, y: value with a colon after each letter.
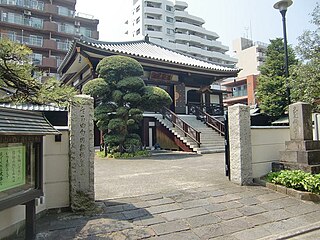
x: 211, y: 141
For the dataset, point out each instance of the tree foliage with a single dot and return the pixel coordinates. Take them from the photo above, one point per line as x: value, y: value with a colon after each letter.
x: 305, y: 76
x: 16, y: 77
x: 122, y: 96
x: 271, y: 90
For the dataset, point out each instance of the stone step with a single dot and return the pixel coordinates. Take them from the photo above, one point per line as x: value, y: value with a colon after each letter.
x: 314, y: 169
x: 302, y: 145
x: 311, y: 157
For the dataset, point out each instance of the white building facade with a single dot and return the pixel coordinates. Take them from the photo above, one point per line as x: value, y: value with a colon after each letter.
x: 169, y: 25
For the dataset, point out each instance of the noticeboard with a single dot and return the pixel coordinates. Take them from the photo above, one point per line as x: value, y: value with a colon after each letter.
x: 12, y: 167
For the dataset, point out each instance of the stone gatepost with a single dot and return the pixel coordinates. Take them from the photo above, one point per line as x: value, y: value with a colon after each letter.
x: 81, y: 154
x: 240, y: 144
x: 301, y: 152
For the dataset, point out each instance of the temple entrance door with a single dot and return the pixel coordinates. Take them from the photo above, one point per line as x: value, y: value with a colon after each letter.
x: 193, y: 99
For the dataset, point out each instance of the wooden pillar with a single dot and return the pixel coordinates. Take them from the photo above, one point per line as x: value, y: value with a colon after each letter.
x: 30, y: 220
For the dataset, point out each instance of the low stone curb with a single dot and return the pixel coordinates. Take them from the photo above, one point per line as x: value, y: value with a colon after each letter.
x: 306, y: 196
x: 295, y: 232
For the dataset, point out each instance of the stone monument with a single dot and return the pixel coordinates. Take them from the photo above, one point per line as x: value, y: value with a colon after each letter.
x: 301, y: 152
x: 81, y: 154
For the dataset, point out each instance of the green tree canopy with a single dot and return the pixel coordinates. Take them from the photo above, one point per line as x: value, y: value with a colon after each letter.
x: 272, y: 83
x: 122, y: 96
x: 305, y: 77
x: 16, y: 77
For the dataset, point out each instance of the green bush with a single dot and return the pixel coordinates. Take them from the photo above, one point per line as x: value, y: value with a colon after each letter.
x: 131, y: 84
x: 296, y: 179
x: 96, y: 87
x: 155, y: 98
x: 141, y: 153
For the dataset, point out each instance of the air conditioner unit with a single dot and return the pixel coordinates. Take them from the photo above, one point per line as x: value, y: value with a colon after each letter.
x: 27, y: 12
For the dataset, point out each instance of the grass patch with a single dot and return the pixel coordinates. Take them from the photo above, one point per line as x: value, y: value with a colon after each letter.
x: 140, y: 153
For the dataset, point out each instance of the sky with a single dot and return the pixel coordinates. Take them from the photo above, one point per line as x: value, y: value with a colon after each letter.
x: 230, y: 19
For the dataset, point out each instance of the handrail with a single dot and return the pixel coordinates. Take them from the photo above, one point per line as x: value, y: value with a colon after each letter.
x: 182, y: 125
x: 211, y: 121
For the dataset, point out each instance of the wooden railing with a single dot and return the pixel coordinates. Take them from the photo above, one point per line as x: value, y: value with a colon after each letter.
x: 211, y: 121
x: 182, y: 125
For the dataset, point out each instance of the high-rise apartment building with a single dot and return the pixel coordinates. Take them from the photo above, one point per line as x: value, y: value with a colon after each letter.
x: 250, y: 56
x: 47, y: 27
x: 167, y: 23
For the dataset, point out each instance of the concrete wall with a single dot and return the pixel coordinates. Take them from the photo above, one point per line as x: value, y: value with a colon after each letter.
x: 56, y: 184
x: 267, y: 142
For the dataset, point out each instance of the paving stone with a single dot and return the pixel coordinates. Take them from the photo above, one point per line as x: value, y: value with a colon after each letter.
x: 116, y: 216
x: 184, y: 213
x: 249, y: 201
x: 251, y: 210
x: 209, y: 231
x: 163, y: 208
x: 161, y: 201
x: 184, y: 197
x: 185, y: 235
x: 143, y: 204
x: 170, y: 227
x: 303, y: 208
x: 224, y: 198
x: 235, y: 225
x: 194, y: 203
x: 280, y: 203
x: 216, y: 193
x: 64, y: 234
x: 229, y: 214
x: 270, y: 196
x: 282, y: 226
x: 225, y: 237
x: 252, y: 233
x: 147, y: 221
x: 233, y: 204
x: 278, y: 215
x: 203, y: 220
x: 138, y: 233
x: 217, y: 207
x: 258, y: 219
x: 99, y: 226
x: 151, y: 197
x: 136, y: 213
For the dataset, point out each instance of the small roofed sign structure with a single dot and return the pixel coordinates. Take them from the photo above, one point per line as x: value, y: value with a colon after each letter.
x: 21, y: 160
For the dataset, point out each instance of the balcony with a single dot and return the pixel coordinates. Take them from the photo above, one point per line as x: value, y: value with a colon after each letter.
x: 50, y: 26
x: 84, y: 15
x: 180, y: 5
x: 153, y: 10
x: 31, y: 4
x: 155, y: 34
x: 190, y: 27
x: 49, y: 8
x: 21, y: 20
x: 50, y: 62
x: 153, y: 22
x: 50, y: 44
x: 186, y: 15
x: 32, y: 41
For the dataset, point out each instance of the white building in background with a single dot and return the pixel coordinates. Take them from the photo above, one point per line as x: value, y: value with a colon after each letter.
x: 169, y: 25
x: 250, y: 56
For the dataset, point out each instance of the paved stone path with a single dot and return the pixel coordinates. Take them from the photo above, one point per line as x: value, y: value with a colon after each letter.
x: 212, y: 210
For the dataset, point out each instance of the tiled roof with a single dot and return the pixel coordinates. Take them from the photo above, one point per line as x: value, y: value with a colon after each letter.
x: 152, y: 51
x: 18, y: 122
x: 33, y: 107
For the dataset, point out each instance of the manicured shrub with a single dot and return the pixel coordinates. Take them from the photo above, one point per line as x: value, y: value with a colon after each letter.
x: 296, y: 179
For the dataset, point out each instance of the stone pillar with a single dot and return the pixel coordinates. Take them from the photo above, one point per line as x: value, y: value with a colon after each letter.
x: 300, y: 121
x: 301, y: 152
x: 81, y: 154
x: 240, y: 144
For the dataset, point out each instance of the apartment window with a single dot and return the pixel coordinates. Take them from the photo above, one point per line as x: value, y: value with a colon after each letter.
x: 36, y: 22
x: 240, y: 91
x: 138, y: 32
x: 170, y: 31
x: 66, y: 28
x: 169, y: 8
x: 36, y: 58
x: 35, y: 40
x: 138, y: 20
x: 138, y: 8
x: 169, y: 19
x: 85, y: 32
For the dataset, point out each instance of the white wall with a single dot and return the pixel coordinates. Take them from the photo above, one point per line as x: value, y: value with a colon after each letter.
x: 267, y: 142
x: 56, y: 184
